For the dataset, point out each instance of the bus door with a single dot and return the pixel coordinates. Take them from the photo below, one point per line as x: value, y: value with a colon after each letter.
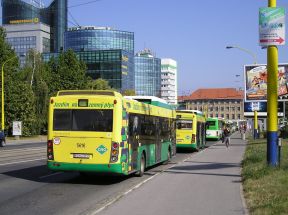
x: 198, y: 135
x: 133, y: 139
x: 158, y: 140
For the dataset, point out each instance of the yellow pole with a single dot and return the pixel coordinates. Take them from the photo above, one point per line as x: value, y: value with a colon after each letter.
x: 272, y: 101
x: 255, y: 125
x: 2, y: 97
x: 2, y: 94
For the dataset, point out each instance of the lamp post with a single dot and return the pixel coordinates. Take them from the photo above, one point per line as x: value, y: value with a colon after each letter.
x: 2, y: 92
x: 244, y: 50
x: 255, y: 62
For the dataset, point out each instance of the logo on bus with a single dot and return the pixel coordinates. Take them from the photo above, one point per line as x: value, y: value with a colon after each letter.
x: 188, y: 137
x: 101, y: 149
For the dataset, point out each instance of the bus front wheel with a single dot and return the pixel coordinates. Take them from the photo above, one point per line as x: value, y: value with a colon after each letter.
x: 141, y: 171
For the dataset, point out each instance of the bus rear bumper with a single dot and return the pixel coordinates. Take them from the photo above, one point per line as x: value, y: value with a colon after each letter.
x: 96, y: 168
x: 186, y: 146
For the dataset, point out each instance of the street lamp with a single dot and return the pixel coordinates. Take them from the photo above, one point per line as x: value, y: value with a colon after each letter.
x: 2, y: 91
x: 255, y: 62
x: 244, y: 50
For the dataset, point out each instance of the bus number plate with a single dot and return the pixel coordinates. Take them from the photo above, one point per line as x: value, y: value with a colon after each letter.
x: 83, y: 156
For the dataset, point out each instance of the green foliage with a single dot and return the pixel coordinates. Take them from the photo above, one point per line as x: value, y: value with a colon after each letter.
x: 98, y: 84
x: 129, y: 92
x: 66, y: 73
x: 265, y: 188
x: 20, y: 106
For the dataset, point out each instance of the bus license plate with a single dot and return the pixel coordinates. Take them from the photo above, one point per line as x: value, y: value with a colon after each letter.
x: 83, y: 156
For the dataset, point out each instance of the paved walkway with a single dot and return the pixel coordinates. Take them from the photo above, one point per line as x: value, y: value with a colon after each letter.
x: 208, y: 182
x: 26, y: 140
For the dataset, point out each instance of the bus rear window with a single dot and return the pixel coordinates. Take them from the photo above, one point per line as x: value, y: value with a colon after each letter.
x: 184, y: 124
x: 83, y: 120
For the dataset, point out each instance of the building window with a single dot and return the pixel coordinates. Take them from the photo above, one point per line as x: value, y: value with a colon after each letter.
x: 227, y: 108
x: 222, y: 108
x: 227, y: 116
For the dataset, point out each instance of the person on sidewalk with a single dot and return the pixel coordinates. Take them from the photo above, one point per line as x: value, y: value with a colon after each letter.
x: 226, y: 136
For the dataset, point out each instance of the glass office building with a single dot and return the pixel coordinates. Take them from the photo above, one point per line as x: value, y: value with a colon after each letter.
x: 90, y: 38
x: 115, y: 66
x: 147, y: 74
x: 17, y: 12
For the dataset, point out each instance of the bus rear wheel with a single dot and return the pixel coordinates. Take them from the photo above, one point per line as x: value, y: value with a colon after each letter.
x: 141, y: 171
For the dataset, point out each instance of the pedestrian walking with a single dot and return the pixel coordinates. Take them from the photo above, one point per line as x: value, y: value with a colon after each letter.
x: 226, y: 136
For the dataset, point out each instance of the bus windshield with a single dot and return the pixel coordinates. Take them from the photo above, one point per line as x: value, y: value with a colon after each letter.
x: 211, y: 124
x: 184, y: 124
x: 83, y: 120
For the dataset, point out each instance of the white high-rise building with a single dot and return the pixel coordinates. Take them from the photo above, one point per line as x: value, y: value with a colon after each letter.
x: 169, y: 80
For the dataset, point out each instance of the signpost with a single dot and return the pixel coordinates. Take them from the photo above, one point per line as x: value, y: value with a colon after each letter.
x: 17, y: 129
x: 271, y: 26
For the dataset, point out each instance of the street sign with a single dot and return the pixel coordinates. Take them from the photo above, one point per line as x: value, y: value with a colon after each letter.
x: 271, y: 26
x: 17, y: 128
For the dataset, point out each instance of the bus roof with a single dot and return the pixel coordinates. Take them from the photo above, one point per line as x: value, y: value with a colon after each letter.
x: 88, y: 92
x: 197, y: 112
x: 152, y: 100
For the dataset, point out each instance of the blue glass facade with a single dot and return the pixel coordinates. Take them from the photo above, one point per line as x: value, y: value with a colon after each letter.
x: 115, y: 66
x: 19, y: 12
x: 147, y: 75
x: 93, y: 38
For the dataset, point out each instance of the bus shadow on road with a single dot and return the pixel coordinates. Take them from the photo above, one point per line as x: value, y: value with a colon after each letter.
x: 43, y: 175
x: 194, y: 169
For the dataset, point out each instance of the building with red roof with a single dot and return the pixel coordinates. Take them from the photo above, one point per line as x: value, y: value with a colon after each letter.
x: 226, y: 103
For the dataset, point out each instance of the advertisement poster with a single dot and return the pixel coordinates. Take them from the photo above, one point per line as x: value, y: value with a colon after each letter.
x: 256, y: 82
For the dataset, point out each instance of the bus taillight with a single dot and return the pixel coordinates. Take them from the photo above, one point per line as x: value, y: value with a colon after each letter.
x: 50, y: 155
x: 193, y: 138
x: 114, y: 152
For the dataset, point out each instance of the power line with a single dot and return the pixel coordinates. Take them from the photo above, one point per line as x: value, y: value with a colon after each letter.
x: 73, y: 18
x: 90, y: 2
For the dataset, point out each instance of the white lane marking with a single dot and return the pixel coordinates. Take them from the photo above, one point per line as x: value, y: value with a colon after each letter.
x: 53, y: 174
x: 25, y: 161
x: 124, y: 194
x: 143, y: 182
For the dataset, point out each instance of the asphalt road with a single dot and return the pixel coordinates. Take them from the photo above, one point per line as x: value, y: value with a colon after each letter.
x: 27, y: 186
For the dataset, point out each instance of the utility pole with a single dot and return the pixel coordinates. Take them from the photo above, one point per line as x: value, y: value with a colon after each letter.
x: 272, y: 101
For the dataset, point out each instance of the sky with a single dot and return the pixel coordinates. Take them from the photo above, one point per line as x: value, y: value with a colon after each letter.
x: 194, y: 33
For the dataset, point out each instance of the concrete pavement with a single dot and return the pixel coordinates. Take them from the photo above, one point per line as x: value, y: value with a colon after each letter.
x: 208, y: 182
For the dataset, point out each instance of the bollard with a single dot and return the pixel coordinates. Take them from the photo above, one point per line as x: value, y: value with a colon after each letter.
x: 243, y: 136
x: 279, y: 150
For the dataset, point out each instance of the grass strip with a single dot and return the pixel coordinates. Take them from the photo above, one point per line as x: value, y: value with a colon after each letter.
x: 265, y: 188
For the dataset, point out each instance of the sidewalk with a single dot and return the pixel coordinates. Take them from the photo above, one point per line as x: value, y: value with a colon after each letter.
x: 208, y: 182
x: 26, y: 140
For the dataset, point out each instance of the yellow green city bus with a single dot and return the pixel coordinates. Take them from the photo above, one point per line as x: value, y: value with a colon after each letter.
x: 103, y: 132
x: 214, y: 128
x: 190, y: 129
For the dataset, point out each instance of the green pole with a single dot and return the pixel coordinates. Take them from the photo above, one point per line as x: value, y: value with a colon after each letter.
x: 272, y: 101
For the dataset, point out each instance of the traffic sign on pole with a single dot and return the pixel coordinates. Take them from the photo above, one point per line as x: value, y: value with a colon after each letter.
x: 271, y: 26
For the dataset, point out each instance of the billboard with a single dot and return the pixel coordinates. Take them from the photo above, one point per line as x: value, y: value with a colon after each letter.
x: 262, y: 109
x: 256, y: 82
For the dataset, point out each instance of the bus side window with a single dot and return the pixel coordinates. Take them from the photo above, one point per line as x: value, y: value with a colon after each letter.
x: 134, y: 125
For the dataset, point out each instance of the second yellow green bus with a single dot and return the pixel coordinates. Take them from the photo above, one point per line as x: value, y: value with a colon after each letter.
x: 190, y: 129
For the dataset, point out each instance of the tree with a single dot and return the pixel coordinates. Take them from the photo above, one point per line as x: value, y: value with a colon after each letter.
x: 98, y: 84
x: 66, y: 73
x: 19, y: 99
x: 129, y: 92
